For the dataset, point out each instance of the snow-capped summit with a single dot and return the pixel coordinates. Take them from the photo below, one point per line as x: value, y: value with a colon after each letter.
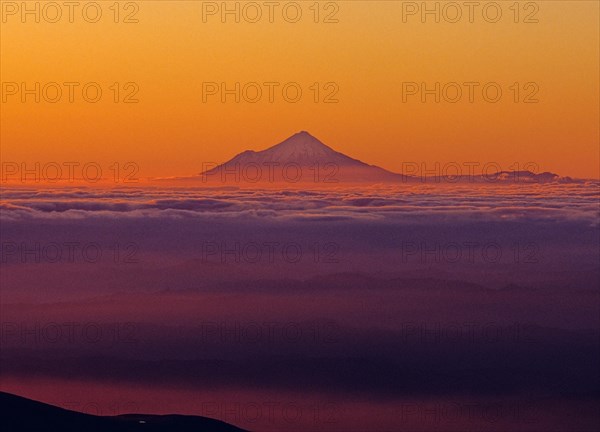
x: 301, y: 148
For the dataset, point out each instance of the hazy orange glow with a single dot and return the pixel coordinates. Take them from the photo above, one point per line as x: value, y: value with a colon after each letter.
x: 170, y: 52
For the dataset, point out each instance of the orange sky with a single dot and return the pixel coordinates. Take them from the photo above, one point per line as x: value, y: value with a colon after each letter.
x: 369, y: 53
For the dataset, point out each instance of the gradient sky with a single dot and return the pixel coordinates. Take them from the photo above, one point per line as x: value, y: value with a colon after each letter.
x: 368, y: 53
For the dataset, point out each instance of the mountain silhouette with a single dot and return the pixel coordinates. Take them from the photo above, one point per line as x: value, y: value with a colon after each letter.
x: 301, y: 148
x: 25, y: 415
x: 304, y: 159
x: 300, y: 158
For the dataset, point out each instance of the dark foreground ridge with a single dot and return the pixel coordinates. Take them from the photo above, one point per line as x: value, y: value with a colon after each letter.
x: 21, y: 414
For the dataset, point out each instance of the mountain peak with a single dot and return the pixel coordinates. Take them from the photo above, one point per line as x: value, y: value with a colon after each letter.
x: 304, y: 151
x: 313, y: 161
x: 298, y: 147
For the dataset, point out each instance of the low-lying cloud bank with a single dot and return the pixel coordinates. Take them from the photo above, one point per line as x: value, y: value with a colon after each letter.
x: 555, y: 202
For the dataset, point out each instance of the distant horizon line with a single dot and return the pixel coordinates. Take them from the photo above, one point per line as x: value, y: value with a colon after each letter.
x: 37, y: 172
